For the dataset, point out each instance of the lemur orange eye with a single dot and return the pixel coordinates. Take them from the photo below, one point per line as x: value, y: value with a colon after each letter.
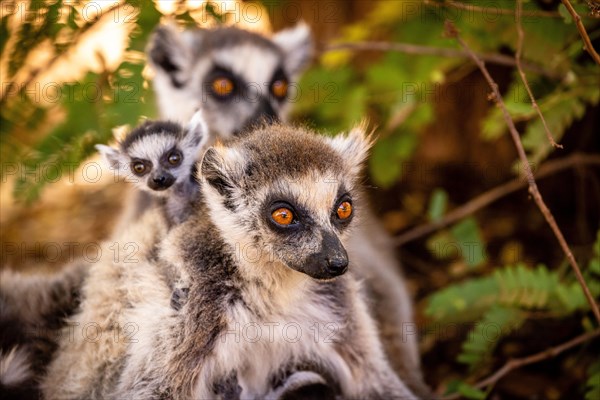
x: 139, y: 168
x: 283, y: 216
x: 344, y: 210
x: 280, y: 88
x: 222, y: 86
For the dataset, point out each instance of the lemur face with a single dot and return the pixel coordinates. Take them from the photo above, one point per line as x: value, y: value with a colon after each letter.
x: 237, y: 78
x: 157, y: 155
x: 287, y: 196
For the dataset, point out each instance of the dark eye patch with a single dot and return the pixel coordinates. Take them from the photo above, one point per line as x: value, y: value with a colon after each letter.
x: 219, y: 72
x: 164, y: 159
x: 302, y: 219
x: 335, y: 219
x: 278, y: 76
x: 147, y: 164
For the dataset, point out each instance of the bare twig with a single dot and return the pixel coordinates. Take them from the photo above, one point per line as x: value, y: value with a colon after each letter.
x: 486, y: 198
x: 407, y: 48
x: 521, y: 35
x: 535, y: 358
x: 582, y: 32
x: 491, y: 11
x: 533, y: 189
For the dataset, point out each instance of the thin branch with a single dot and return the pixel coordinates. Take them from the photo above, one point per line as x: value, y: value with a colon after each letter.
x: 533, y: 189
x: 534, y: 104
x: 535, y: 358
x: 486, y: 198
x: 407, y: 48
x: 491, y: 11
x: 582, y: 32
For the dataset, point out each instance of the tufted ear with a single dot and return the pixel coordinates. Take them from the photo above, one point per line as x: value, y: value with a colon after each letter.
x: 353, y: 147
x: 297, y: 47
x: 113, y: 158
x: 168, y: 53
x: 196, y: 131
x: 220, y: 169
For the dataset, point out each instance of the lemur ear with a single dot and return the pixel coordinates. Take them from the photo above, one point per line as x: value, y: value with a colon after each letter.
x: 197, y: 130
x: 353, y: 147
x: 297, y: 46
x: 111, y: 156
x: 168, y: 52
x: 215, y: 171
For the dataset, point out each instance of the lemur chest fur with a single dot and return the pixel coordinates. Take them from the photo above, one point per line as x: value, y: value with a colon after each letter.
x: 260, y: 331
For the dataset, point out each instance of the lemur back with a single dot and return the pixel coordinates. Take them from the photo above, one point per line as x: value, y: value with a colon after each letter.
x: 265, y: 248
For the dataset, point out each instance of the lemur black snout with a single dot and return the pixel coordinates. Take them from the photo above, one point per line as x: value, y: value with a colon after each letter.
x: 337, y: 265
x: 335, y: 256
x: 161, y: 181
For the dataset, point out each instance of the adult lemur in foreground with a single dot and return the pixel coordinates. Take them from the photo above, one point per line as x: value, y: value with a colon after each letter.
x: 239, y: 78
x: 273, y: 295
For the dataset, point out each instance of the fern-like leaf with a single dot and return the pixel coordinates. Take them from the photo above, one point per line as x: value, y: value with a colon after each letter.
x: 482, y: 340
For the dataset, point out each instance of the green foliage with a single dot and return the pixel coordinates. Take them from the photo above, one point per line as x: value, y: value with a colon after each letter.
x: 511, y: 286
x: 560, y: 109
x: 496, y: 323
x: 466, y: 390
x: 593, y: 382
x: 437, y: 204
x: 463, y: 240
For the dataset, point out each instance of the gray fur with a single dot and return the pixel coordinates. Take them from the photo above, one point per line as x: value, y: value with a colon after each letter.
x: 32, y: 312
x: 195, y: 353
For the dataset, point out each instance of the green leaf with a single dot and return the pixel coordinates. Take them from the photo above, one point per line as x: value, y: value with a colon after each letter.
x: 564, y: 13
x: 593, y: 382
x: 437, y: 204
x: 471, y: 392
x: 483, y: 339
x: 469, y: 239
x: 511, y: 286
x: 388, y: 155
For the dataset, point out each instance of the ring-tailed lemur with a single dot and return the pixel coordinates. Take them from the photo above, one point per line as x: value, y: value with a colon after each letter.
x: 237, y: 78
x: 159, y: 158
x: 273, y: 298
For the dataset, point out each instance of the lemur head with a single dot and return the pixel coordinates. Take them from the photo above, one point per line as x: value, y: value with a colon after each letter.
x: 286, y: 196
x: 157, y: 155
x: 238, y: 78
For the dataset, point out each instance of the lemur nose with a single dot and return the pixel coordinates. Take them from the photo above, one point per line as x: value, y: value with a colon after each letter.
x: 159, y: 179
x: 337, y: 264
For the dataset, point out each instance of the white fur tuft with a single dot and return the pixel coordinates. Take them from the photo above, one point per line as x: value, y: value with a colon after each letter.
x: 14, y: 367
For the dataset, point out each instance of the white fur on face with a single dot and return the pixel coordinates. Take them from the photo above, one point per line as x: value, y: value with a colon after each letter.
x: 152, y: 147
x: 255, y: 65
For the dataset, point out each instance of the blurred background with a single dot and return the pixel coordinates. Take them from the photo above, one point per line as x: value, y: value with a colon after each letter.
x: 490, y: 281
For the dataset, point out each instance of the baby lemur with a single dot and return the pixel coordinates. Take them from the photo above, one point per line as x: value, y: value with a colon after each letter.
x: 273, y: 297
x: 159, y: 158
